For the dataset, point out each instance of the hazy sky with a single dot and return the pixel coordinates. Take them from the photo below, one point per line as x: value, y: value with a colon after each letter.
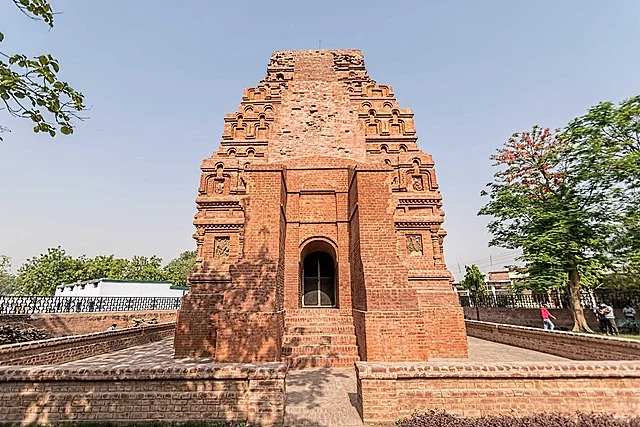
x: 160, y: 75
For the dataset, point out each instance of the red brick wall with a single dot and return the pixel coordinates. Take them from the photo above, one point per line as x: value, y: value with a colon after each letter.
x: 529, y: 316
x: 63, y: 324
x: 178, y: 393
x: 65, y: 349
x: 388, y: 391
x: 389, y: 322
x: 561, y: 343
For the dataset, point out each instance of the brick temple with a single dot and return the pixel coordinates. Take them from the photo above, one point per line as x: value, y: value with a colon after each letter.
x: 319, y: 227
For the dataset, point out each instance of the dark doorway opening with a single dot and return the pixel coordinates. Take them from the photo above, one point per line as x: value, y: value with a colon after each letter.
x: 318, y: 280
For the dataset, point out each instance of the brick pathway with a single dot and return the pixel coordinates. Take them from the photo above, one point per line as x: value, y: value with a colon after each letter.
x: 315, y: 397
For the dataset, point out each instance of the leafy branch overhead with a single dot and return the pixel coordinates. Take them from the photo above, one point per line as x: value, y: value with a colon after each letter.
x: 30, y: 87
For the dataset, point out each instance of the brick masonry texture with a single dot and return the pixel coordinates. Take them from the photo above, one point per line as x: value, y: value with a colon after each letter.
x: 211, y: 392
x: 319, y: 158
x: 67, y: 349
x: 62, y: 324
x: 565, y: 344
x: 529, y: 316
x: 388, y: 391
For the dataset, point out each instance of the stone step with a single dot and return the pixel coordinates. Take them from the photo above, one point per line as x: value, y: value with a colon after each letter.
x: 320, y: 350
x: 319, y: 319
x: 301, y: 362
x: 330, y: 329
x: 300, y: 339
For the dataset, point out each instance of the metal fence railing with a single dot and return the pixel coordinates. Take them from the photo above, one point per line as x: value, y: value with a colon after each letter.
x: 588, y: 299
x: 53, y: 304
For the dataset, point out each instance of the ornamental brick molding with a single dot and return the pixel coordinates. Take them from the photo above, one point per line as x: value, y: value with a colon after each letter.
x: 319, y: 227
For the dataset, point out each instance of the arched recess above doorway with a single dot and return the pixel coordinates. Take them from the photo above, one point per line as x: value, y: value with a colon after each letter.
x: 318, y: 275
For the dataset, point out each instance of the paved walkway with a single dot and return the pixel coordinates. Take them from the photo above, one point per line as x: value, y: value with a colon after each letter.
x: 315, y: 397
x: 489, y: 351
x: 321, y: 398
x: 160, y: 353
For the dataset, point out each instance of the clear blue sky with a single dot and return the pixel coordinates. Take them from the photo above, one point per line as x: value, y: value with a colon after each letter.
x: 160, y: 75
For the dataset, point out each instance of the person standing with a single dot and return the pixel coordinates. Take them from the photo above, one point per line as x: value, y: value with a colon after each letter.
x: 547, y: 324
x: 609, y: 318
x: 629, y: 312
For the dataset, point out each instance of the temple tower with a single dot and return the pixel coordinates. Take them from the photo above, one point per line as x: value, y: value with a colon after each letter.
x: 319, y: 227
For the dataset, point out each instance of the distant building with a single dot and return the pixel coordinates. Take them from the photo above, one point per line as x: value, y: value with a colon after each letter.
x: 497, y: 283
x: 500, y: 282
x: 120, y: 288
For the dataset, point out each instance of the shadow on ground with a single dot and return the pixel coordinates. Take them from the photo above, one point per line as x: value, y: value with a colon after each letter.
x: 321, y: 397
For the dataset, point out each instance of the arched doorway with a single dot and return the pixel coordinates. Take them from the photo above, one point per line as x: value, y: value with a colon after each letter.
x: 318, y: 278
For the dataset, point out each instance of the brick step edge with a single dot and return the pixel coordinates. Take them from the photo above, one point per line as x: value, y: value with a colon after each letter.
x: 320, y: 350
x: 320, y: 330
x: 302, y: 339
x: 301, y: 362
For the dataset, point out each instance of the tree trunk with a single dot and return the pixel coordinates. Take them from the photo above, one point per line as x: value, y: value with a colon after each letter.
x: 579, y: 322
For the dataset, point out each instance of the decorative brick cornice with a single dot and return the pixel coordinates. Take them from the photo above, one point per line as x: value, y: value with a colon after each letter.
x: 178, y: 371
x: 416, y: 224
x: 427, y: 202
x: 596, y: 369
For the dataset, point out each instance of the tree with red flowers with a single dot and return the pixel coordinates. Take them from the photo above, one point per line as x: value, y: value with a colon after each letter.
x: 542, y: 203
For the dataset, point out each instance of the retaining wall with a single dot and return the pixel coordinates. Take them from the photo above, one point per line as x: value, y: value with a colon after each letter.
x: 530, y: 316
x: 389, y: 391
x: 213, y: 392
x: 565, y: 344
x: 63, y: 324
x: 66, y: 349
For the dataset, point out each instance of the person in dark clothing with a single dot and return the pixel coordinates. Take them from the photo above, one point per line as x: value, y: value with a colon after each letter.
x: 606, y: 311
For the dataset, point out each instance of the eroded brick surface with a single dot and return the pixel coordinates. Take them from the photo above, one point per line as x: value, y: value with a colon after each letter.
x: 319, y: 158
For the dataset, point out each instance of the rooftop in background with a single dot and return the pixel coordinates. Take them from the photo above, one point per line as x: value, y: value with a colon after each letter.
x: 499, y: 276
x: 120, y: 288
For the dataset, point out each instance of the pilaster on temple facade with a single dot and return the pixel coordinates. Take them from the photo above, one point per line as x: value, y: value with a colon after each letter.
x: 319, y: 227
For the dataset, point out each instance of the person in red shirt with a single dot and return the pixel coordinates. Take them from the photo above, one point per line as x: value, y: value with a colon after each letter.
x: 546, y: 318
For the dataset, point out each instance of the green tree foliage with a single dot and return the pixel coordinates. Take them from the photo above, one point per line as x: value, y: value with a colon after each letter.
x: 541, y: 202
x: 102, y: 266
x: 30, y: 87
x: 474, y: 283
x: 40, y: 275
x: 607, y: 141
x: 178, y: 269
x: 143, y: 268
x: 7, y: 279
